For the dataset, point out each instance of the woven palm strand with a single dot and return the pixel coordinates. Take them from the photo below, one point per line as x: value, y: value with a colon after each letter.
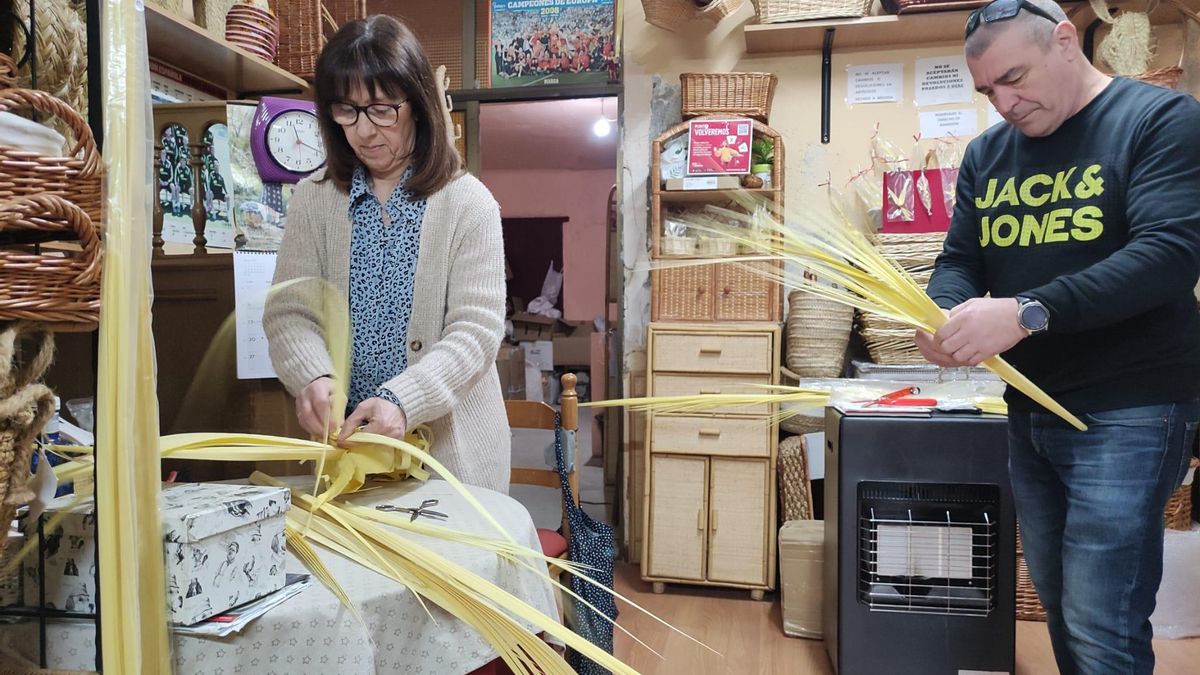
x: 25, y: 407
x: 61, y: 45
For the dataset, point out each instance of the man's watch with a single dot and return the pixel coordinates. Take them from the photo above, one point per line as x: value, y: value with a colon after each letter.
x: 1032, y: 315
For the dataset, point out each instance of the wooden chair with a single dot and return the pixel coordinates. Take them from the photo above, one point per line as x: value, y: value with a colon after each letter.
x: 538, y: 415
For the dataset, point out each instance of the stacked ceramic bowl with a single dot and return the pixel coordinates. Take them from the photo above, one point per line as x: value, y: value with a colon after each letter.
x: 254, y: 29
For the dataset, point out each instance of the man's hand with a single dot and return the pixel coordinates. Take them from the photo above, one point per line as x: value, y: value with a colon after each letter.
x: 314, y: 408
x: 931, y: 349
x: 382, y: 417
x: 979, y: 329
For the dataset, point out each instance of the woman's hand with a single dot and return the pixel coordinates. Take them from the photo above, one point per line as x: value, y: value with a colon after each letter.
x: 381, y: 416
x: 314, y: 408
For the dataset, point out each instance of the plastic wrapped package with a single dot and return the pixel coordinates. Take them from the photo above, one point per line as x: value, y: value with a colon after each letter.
x: 801, y: 564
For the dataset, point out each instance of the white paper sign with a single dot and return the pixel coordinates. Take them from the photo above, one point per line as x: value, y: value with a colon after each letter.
x: 879, y: 83
x: 959, y: 123
x: 252, y: 273
x: 943, y: 79
x: 994, y: 116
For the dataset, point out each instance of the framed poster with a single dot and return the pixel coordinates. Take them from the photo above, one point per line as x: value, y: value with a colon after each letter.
x: 536, y: 42
x: 719, y: 146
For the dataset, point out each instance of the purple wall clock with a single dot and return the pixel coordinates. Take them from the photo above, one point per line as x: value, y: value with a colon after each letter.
x: 285, y: 140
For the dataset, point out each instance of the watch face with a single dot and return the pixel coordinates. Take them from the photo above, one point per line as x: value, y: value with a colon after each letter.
x: 294, y: 142
x: 1034, y: 316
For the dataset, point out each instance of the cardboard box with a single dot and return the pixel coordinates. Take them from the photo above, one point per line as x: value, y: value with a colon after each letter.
x: 510, y: 364
x: 224, y: 546
x: 529, y: 327
x: 704, y: 183
x: 573, y: 350
x: 801, y: 565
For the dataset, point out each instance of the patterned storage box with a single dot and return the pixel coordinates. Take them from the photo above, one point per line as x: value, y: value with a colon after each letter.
x: 224, y: 547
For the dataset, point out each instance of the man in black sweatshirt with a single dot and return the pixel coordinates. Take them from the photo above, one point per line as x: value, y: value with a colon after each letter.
x: 1080, y: 220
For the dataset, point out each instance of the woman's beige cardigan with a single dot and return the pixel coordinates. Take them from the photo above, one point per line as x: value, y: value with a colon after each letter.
x: 454, y: 332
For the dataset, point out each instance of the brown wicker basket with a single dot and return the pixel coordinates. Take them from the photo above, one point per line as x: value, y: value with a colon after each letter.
x: 300, y: 36
x: 778, y: 11
x: 77, y: 177
x: 61, y: 288
x: 913, y: 252
x: 818, y: 331
x: 794, y: 489
x: 342, y: 12
x: 742, y: 94
x: 917, y: 6
x: 718, y: 10
x: 669, y: 14
x: 1176, y: 516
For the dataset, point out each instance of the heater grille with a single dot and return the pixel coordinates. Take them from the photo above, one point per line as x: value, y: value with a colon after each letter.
x: 928, y: 548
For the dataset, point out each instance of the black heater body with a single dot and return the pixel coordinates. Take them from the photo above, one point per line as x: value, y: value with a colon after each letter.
x: 920, y: 547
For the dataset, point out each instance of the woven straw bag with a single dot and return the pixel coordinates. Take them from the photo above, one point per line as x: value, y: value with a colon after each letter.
x: 61, y: 50
x: 794, y: 488
x: 25, y: 407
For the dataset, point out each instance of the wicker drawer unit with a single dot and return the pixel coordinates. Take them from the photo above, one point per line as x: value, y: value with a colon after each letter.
x: 709, y: 517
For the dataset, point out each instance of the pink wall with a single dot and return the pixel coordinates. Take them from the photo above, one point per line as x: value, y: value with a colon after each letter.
x: 581, y: 196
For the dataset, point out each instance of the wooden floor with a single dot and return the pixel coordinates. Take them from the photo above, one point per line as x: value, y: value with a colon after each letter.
x: 749, y: 636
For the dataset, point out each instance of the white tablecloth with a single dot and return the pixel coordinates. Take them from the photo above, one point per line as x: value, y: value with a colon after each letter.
x: 313, y: 634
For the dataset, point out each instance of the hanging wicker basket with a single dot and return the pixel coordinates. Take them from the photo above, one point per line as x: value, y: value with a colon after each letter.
x: 717, y: 10
x: 669, y: 14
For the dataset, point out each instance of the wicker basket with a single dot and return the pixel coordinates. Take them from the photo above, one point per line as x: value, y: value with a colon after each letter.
x: 1176, y: 516
x: 742, y: 94
x: 676, y: 246
x: 669, y: 14
x: 342, y: 12
x: 210, y: 14
x: 917, y: 6
x: 62, y: 54
x: 818, y: 331
x: 300, y: 36
x: 51, y: 287
x: 718, y: 10
x: 794, y: 489
x: 777, y: 11
x: 77, y: 178
x: 715, y: 246
x: 913, y: 252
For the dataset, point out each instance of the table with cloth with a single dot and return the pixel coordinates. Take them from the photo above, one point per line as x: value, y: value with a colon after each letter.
x: 313, y: 634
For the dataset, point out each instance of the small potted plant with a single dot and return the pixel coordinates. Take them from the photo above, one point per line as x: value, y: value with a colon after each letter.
x: 762, y: 159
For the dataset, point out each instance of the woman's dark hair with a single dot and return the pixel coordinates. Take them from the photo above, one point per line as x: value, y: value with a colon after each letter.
x: 382, y: 55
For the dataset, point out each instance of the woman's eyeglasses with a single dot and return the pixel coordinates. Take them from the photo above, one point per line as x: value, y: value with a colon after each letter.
x: 380, y: 114
x: 1003, y: 10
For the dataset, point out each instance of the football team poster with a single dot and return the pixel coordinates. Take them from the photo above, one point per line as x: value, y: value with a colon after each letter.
x: 552, y: 42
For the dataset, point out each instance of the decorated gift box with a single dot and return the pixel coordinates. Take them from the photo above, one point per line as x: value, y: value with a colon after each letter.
x: 224, y: 546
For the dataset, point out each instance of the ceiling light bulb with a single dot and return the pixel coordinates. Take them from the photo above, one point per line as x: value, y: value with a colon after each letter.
x: 601, y: 127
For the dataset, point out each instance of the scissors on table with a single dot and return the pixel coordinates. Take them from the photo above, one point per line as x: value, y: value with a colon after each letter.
x: 422, y: 510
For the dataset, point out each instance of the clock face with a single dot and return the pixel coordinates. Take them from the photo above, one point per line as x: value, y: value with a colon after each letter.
x: 294, y: 142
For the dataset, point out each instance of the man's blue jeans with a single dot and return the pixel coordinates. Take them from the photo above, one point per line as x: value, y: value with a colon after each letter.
x: 1090, y: 506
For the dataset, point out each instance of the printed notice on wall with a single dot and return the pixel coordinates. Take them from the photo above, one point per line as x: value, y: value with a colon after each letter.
x: 944, y: 79
x: 879, y: 83
x: 960, y: 123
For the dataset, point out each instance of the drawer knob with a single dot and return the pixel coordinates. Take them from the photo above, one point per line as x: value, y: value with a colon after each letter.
x: 710, y: 390
x: 711, y: 351
x: 711, y: 433
x: 712, y: 519
x: 700, y: 520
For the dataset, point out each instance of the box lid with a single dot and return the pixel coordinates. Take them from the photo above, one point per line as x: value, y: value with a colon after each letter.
x: 195, y: 511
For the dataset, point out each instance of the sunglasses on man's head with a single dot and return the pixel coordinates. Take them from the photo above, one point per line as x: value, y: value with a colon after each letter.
x: 1003, y: 10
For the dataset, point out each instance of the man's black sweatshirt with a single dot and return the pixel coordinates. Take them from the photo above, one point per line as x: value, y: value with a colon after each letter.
x: 1100, y: 221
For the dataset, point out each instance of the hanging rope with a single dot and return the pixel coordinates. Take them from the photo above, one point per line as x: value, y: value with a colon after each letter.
x: 25, y: 407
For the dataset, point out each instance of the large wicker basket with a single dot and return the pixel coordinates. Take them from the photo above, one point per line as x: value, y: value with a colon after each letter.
x: 300, y: 36
x: 76, y: 178
x: 917, y: 6
x: 1176, y: 516
x: 718, y: 10
x: 53, y: 287
x: 818, y: 331
x: 742, y: 94
x: 778, y: 11
x: 669, y: 14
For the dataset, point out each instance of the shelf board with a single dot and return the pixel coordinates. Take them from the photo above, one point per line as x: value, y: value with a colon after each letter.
x: 701, y: 196
x: 186, y: 46
x: 907, y: 30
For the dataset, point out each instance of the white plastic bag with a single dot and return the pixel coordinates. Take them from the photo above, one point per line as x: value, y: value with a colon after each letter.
x: 1178, y: 612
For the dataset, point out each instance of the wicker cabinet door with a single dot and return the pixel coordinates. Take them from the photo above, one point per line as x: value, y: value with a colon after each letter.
x: 738, y: 494
x: 743, y: 294
x: 678, y: 517
x: 682, y: 294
